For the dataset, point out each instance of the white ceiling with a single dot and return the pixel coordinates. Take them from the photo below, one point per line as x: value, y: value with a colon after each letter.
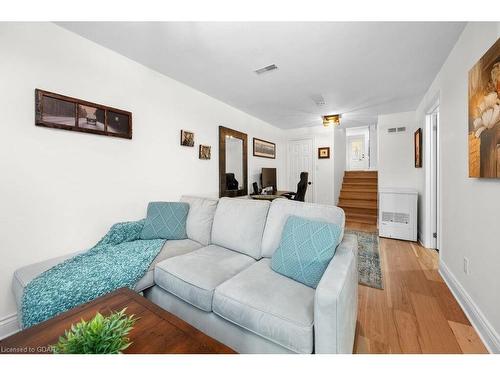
x: 361, y: 69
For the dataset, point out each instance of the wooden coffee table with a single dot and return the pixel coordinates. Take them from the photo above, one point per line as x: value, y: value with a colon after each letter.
x: 157, y: 331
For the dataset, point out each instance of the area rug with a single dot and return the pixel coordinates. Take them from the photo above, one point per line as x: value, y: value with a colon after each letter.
x: 369, y: 271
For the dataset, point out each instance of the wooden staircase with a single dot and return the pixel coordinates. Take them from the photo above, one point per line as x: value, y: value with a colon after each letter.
x: 358, y: 198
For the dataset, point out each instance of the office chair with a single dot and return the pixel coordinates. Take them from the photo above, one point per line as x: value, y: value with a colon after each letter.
x: 301, y: 188
x: 231, y: 182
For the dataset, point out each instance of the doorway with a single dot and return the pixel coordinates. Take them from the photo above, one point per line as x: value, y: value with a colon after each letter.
x: 300, y: 159
x: 358, y: 148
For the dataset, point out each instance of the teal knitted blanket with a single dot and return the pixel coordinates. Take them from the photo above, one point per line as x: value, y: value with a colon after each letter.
x: 120, y: 259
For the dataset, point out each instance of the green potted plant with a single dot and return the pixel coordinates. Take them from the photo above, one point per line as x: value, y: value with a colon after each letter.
x: 101, y: 335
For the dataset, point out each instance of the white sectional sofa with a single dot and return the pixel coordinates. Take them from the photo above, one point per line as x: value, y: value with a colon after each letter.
x: 220, y: 280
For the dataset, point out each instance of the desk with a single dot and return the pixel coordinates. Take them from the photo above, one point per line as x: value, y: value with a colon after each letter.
x: 270, y: 197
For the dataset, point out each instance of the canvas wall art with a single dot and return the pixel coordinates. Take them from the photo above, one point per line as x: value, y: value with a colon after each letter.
x: 64, y: 112
x: 484, y: 115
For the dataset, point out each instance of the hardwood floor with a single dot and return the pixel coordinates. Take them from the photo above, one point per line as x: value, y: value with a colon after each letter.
x: 416, y: 312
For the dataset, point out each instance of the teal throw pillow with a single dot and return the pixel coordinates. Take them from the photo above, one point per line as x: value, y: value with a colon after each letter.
x: 166, y: 220
x: 306, y: 249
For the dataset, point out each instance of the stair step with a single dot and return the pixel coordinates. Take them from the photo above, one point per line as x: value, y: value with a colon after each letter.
x: 362, y: 174
x: 364, y: 180
x: 364, y: 195
x: 359, y: 187
x: 358, y: 203
x: 358, y: 210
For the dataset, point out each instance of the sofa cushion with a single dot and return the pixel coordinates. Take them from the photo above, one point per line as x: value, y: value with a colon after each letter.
x: 270, y: 305
x: 281, y: 209
x: 306, y: 248
x: 171, y: 248
x: 239, y: 225
x: 200, y: 218
x: 194, y: 276
x: 165, y: 220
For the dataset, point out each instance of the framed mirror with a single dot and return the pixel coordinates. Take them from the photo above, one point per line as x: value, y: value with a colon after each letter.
x: 233, y: 179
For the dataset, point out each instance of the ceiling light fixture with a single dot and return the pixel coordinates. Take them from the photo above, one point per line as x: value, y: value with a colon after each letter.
x: 331, y: 120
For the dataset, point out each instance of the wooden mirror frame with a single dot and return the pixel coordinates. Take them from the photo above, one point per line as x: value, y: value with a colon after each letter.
x: 223, y: 192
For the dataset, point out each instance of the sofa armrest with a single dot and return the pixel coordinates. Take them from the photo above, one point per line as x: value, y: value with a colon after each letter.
x: 336, y: 301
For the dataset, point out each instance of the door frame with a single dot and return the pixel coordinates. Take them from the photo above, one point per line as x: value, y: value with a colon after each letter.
x: 433, y: 181
x: 313, y: 166
x: 367, y: 149
x: 366, y: 144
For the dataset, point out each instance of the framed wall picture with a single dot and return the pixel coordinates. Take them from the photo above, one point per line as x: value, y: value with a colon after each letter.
x: 205, y: 152
x: 324, y: 153
x: 187, y: 138
x: 417, y: 140
x: 264, y: 149
x: 64, y: 112
x: 484, y: 115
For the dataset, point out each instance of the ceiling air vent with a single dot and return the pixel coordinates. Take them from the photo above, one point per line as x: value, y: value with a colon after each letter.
x: 266, y: 69
x: 401, y: 129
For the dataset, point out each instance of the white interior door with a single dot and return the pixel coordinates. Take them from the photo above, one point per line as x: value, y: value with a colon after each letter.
x: 357, y: 158
x: 300, y: 159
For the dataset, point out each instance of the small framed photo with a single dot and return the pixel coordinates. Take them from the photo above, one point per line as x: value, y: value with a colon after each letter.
x: 187, y: 138
x: 418, y: 148
x: 205, y: 152
x: 324, y: 153
x: 264, y: 149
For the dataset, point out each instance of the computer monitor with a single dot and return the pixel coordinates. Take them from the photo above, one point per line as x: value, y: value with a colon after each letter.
x: 268, y: 178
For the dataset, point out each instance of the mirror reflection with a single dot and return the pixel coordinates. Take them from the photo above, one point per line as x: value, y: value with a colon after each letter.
x: 234, y: 163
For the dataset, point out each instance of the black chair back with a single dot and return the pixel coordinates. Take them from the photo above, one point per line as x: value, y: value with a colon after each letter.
x: 301, y: 187
x: 231, y: 182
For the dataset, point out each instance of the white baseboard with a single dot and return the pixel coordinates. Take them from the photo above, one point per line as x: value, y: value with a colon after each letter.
x: 487, y: 333
x: 8, y: 326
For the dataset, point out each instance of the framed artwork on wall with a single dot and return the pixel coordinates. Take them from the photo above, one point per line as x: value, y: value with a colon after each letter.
x: 264, y: 149
x: 205, y: 152
x: 64, y: 112
x: 324, y: 153
x: 417, y: 140
x: 484, y: 115
x: 187, y: 138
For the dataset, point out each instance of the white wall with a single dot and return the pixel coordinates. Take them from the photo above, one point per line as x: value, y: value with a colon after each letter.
x: 396, y: 165
x: 323, y: 169
x: 60, y: 191
x: 339, y: 160
x: 470, y: 207
x: 373, y: 147
x: 396, y: 159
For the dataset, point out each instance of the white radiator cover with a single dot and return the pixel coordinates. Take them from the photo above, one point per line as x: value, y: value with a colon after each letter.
x: 398, y: 213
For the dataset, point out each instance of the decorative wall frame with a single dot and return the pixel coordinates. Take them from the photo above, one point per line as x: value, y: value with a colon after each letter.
x: 205, y: 152
x: 64, y: 112
x: 324, y: 153
x: 417, y: 143
x: 187, y: 138
x: 264, y: 149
